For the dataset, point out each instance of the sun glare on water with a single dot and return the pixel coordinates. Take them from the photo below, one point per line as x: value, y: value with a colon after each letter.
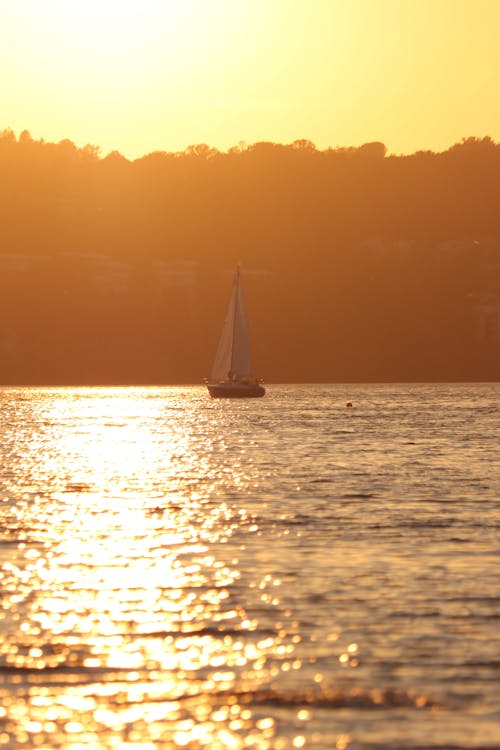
x: 127, y: 594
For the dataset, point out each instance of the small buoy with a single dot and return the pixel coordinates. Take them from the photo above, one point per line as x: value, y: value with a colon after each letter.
x: 349, y: 403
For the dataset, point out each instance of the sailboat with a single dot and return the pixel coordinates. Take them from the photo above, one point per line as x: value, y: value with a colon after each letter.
x: 231, y: 372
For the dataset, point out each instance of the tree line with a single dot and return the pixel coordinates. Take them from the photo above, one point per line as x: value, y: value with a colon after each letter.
x: 358, y: 265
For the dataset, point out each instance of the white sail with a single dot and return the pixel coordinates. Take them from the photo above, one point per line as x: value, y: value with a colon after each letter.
x: 233, y: 353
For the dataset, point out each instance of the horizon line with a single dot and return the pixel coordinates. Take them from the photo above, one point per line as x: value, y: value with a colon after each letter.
x: 242, y: 146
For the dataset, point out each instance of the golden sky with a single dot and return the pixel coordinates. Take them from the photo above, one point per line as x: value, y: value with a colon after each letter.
x: 143, y: 75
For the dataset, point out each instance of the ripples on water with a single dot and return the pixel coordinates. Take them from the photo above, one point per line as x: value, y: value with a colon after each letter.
x: 279, y: 573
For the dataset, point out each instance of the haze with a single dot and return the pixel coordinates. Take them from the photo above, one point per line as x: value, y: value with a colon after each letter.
x: 347, y: 153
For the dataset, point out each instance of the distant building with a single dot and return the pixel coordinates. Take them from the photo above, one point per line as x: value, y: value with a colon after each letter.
x: 489, y: 321
x: 488, y: 307
x: 21, y: 262
x: 107, y: 275
x: 112, y: 276
x: 176, y: 273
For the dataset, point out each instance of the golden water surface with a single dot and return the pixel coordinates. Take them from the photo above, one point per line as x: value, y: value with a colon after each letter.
x: 179, y: 572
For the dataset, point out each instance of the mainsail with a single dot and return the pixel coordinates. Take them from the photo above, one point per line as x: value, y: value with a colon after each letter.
x: 233, y: 353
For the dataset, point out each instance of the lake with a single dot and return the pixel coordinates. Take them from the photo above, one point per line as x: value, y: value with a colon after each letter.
x: 276, y: 573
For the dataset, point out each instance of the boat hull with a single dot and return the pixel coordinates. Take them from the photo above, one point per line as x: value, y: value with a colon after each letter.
x: 235, y: 390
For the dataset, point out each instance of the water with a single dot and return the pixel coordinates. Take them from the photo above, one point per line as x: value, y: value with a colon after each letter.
x: 281, y: 573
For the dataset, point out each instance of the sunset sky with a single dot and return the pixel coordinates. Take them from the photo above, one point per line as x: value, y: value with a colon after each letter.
x: 144, y: 75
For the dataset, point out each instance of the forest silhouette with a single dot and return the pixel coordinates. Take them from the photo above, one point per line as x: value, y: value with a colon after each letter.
x: 358, y: 265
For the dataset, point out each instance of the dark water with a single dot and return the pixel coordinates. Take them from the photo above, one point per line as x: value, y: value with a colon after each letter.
x: 280, y: 573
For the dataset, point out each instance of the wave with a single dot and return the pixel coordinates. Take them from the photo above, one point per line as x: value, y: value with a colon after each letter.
x: 375, y: 698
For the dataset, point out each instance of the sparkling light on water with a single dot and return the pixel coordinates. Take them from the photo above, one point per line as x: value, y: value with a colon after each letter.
x: 177, y: 572
x: 123, y: 625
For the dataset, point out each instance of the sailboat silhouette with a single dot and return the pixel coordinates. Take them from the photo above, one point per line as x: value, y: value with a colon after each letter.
x: 231, y: 375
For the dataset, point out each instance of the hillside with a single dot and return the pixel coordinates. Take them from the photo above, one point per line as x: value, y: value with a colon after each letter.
x: 359, y: 266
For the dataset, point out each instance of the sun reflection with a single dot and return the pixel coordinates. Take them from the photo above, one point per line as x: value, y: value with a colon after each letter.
x: 133, y: 617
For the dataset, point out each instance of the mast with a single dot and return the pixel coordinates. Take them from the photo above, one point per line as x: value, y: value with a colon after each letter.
x: 235, y: 312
